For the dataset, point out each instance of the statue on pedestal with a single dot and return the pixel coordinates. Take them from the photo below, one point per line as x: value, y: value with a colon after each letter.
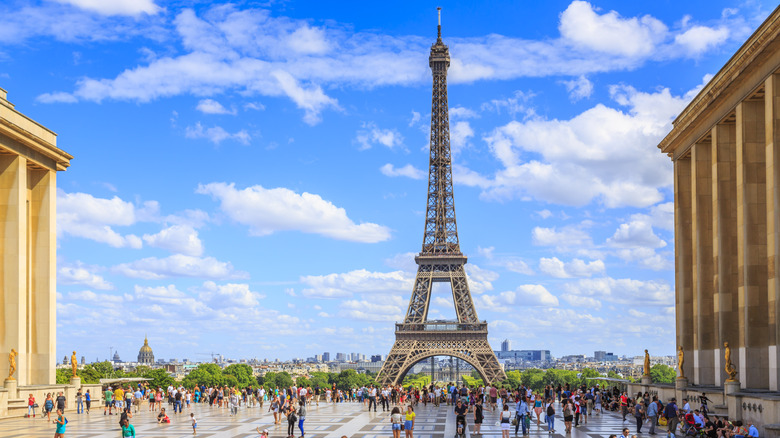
x: 731, y: 370
x: 647, y: 364
x: 680, y: 362
x: 74, y: 364
x: 12, y: 361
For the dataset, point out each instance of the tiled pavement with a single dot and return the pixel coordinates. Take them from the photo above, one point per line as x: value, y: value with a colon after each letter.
x: 323, y: 421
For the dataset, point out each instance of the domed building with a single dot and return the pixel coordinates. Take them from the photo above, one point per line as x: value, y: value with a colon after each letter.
x: 145, y: 355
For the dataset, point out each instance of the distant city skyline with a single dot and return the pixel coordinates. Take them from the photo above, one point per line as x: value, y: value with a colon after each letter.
x: 250, y: 180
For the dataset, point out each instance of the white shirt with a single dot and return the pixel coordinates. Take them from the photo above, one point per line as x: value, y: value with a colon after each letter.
x: 687, y: 408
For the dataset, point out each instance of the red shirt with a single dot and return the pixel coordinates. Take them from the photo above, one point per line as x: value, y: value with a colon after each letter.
x: 623, y: 400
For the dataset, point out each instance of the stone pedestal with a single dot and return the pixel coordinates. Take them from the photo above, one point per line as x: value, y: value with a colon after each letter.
x: 730, y: 387
x: 11, y: 386
x: 647, y: 380
x: 75, y: 381
x: 681, y: 383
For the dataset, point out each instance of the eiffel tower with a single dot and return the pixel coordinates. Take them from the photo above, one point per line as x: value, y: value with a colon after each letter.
x: 440, y: 261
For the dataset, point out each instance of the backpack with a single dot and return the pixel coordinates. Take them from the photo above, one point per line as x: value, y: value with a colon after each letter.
x: 550, y: 410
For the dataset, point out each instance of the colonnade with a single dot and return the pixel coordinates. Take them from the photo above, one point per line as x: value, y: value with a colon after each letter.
x: 727, y: 234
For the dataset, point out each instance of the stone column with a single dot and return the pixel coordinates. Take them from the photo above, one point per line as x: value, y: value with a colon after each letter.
x: 772, y: 125
x: 13, y: 254
x: 704, y: 323
x: 724, y: 247
x: 43, y: 265
x: 751, y: 244
x: 683, y: 254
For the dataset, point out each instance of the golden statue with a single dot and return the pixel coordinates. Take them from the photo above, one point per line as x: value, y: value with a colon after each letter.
x: 74, y: 364
x: 731, y: 370
x: 680, y: 362
x: 12, y: 360
x: 647, y: 364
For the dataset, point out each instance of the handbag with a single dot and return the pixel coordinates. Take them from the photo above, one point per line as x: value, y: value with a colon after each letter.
x: 35, y: 405
x: 514, y: 421
x: 663, y: 421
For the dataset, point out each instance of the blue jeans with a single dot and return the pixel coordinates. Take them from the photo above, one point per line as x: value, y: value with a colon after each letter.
x: 520, y: 421
x: 79, y: 407
x: 177, y: 406
x: 550, y: 422
x: 300, y: 425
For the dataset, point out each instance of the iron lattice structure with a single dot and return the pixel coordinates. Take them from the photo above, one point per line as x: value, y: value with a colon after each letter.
x: 440, y: 261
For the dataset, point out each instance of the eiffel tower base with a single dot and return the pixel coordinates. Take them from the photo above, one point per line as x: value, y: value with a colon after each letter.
x: 473, y: 348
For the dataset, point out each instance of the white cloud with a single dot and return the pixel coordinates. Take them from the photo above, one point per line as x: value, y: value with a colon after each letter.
x: 81, y: 275
x: 216, y: 134
x: 178, y: 239
x: 95, y: 299
x: 388, y: 309
x: 370, y: 135
x: 415, y: 118
x: 210, y: 106
x: 624, y: 291
x: 544, y: 214
x: 579, y: 88
x: 311, y: 100
x: 83, y: 215
x: 462, y: 113
x: 229, y: 295
x: 266, y: 211
x: 575, y: 268
x: 480, y: 279
x: 116, y: 7
x: 699, y: 39
x: 565, y: 237
x: 524, y: 295
x: 582, y: 302
x: 610, y: 33
x: 509, y: 263
x: 356, y: 282
x: 408, y: 171
x: 636, y: 233
x: 178, y: 265
x: 460, y: 133
x: 663, y: 216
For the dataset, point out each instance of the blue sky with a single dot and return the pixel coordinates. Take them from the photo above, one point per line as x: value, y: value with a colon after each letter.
x: 249, y: 178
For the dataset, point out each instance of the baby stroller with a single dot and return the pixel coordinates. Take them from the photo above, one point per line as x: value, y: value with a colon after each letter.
x: 460, y: 426
x: 689, y: 426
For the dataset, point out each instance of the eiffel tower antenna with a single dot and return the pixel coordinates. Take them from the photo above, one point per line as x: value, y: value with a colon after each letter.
x: 440, y: 261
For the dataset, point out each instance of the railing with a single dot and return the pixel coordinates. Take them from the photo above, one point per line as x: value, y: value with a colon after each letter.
x: 441, y: 326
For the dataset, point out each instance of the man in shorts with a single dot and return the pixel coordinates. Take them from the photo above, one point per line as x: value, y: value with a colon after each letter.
x: 108, y: 398
x: 493, y: 396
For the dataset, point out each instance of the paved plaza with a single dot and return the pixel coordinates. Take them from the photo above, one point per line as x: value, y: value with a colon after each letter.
x: 325, y: 420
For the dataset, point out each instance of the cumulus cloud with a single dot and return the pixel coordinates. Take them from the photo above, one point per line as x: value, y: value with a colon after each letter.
x: 216, y: 134
x: 624, y: 291
x: 79, y: 274
x: 699, y: 39
x: 524, y: 295
x: 178, y: 265
x: 565, y: 237
x: 370, y: 135
x: 510, y: 263
x: 576, y: 268
x: 266, y: 211
x: 210, y: 106
x: 116, y: 7
x: 85, y: 216
x: 181, y: 239
x: 356, y: 282
x: 579, y: 88
x: 229, y: 295
x: 408, y: 171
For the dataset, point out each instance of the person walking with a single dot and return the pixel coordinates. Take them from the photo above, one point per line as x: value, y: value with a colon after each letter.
x: 291, y: 419
x: 79, y: 402
x: 652, y: 414
x: 478, y: 416
x: 409, y: 423
x: 128, y: 430
x: 505, y: 418
x: 568, y: 413
x: 672, y: 417
x: 639, y: 414
x: 88, y: 400
x: 395, y: 422
x: 48, y: 406
x: 61, y: 421
x: 302, y: 415
x: 31, y: 406
x: 520, y: 413
x: 550, y: 417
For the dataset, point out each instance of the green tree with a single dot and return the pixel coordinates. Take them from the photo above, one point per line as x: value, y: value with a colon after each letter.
x: 64, y: 375
x: 662, y: 373
x: 208, y: 374
x: 587, y: 375
x: 302, y: 381
x: 319, y: 378
x: 284, y: 380
x: 159, y: 377
x: 347, y: 379
x: 242, y: 372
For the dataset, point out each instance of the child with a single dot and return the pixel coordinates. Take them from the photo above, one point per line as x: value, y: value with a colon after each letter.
x: 194, y: 423
x: 263, y: 433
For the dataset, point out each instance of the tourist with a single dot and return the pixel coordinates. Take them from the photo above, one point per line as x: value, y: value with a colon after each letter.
x: 61, y: 421
x: 31, y: 406
x: 48, y: 406
x: 194, y: 423
x: 538, y: 409
x: 639, y: 414
x: 520, y: 413
x: 119, y: 398
x: 108, y: 397
x: 626, y: 433
x: 686, y: 409
x: 395, y: 422
x: 61, y: 401
x: 672, y: 417
x: 301, y: 415
x: 128, y: 430
x: 88, y: 400
x: 137, y: 397
x: 478, y: 416
x: 568, y: 413
x: 162, y: 417
x: 493, y: 396
x: 597, y: 402
x: 577, y: 406
x: 274, y: 407
x: 753, y: 430
x: 291, y: 419
x: 79, y: 402
x: 505, y: 418
x: 624, y: 405
x: 409, y: 423
x: 371, y: 398
x: 550, y: 417
x: 652, y: 414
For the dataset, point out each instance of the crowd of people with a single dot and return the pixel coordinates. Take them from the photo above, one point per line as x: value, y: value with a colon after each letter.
x: 574, y: 406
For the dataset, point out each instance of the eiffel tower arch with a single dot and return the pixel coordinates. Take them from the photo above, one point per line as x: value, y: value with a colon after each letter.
x: 440, y: 260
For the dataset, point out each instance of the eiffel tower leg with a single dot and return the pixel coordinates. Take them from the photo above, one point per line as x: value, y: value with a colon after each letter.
x: 393, y: 368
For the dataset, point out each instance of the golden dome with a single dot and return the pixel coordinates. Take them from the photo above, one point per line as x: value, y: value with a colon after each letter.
x: 146, y: 348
